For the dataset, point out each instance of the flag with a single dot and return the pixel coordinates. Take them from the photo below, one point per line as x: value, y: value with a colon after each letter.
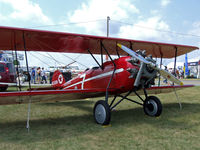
x: 186, y: 66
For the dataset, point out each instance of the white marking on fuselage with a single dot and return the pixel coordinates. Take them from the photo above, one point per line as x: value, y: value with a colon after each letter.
x: 83, y: 76
x: 96, y: 77
x: 60, y: 79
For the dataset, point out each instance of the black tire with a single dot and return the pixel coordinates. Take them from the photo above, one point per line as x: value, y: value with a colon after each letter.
x: 102, y: 112
x: 152, y: 106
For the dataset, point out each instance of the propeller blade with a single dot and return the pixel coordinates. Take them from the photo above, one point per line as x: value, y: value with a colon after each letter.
x: 169, y: 76
x: 162, y: 72
x: 133, y: 54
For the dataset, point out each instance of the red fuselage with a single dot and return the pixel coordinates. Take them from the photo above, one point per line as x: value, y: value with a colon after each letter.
x: 97, y: 78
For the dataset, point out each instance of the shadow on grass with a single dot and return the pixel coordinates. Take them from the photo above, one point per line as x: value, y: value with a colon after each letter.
x: 71, y: 103
x: 82, y: 105
x: 76, y: 125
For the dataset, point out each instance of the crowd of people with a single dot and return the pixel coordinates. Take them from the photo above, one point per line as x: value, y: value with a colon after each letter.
x: 38, y: 76
x: 179, y: 73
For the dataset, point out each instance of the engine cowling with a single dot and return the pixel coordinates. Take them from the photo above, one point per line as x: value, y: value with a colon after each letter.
x: 146, y: 75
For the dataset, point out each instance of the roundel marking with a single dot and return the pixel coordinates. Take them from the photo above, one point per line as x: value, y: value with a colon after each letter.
x: 60, y: 79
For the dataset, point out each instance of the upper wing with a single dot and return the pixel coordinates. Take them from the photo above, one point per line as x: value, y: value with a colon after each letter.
x: 41, y: 40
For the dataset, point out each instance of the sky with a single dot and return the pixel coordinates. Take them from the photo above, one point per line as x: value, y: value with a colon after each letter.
x: 176, y: 21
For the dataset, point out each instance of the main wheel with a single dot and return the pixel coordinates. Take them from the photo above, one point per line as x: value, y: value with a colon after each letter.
x: 152, y: 106
x: 102, y: 112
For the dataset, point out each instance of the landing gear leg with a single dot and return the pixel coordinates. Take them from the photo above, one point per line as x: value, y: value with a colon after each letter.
x: 102, y: 112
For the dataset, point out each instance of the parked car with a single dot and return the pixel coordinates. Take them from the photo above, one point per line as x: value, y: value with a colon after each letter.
x: 7, y: 75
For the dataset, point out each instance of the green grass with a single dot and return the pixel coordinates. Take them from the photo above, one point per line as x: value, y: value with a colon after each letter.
x: 70, y: 125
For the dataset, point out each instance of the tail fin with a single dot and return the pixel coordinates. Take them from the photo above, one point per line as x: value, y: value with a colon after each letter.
x: 58, y: 79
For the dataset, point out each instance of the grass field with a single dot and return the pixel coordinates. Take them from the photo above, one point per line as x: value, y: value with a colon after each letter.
x: 70, y: 125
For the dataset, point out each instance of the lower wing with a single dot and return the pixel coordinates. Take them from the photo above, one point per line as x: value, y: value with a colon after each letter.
x: 163, y: 89
x: 21, y: 97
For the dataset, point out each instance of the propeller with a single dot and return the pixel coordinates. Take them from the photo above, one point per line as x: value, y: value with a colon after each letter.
x: 162, y: 72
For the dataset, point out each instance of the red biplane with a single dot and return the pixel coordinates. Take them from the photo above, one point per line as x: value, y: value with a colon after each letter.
x: 132, y: 73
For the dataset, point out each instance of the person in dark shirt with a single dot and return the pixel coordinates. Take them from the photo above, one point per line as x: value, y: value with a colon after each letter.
x: 33, y: 75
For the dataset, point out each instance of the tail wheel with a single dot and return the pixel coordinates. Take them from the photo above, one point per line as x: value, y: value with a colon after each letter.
x: 152, y: 106
x: 102, y: 112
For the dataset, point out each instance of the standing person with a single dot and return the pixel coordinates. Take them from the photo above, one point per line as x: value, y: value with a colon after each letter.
x: 43, y: 76
x: 181, y: 73
x: 177, y: 73
x: 39, y: 75
x: 36, y: 75
x: 165, y: 81
x: 33, y: 75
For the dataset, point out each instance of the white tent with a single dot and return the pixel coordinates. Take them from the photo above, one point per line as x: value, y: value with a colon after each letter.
x: 194, y: 59
x: 178, y: 65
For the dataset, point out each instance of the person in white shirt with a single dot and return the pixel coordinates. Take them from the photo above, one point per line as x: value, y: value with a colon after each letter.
x: 44, y: 80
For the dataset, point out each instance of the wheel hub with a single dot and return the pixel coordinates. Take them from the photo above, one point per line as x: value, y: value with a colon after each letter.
x: 152, y: 107
x: 100, y: 113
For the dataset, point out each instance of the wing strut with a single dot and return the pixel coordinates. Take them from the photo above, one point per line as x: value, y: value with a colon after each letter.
x: 117, y: 50
x: 29, y: 79
x: 113, y: 70
x: 17, y: 69
x: 161, y: 59
x: 175, y: 61
x: 160, y: 67
x: 101, y: 66
x: 95, y: 59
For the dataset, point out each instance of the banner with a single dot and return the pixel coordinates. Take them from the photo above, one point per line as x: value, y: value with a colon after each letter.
x: 186, y: 66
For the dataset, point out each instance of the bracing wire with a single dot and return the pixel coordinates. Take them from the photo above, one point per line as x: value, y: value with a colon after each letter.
x: 70, y: 23
x: 159, y: 30
x: 121, y: 22
x: 75, y: 60
x: 39, y: 59
x: 50, y: 57
x: 54, y: 59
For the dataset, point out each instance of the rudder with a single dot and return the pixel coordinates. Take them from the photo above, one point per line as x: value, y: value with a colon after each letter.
x: 58, y: 79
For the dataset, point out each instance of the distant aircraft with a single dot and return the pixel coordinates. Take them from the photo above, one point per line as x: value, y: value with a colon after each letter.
x: 127, y: 75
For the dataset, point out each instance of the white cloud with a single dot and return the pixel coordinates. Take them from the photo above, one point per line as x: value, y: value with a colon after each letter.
x: 165, y: 2
x: 195, y: 28
x: 2, y: 18
x: 26, y: 10
x: 196, y: 31
x: 154, y: 12
x: 119, y: 10
x: 100, y: 9
x: 146, y: 29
